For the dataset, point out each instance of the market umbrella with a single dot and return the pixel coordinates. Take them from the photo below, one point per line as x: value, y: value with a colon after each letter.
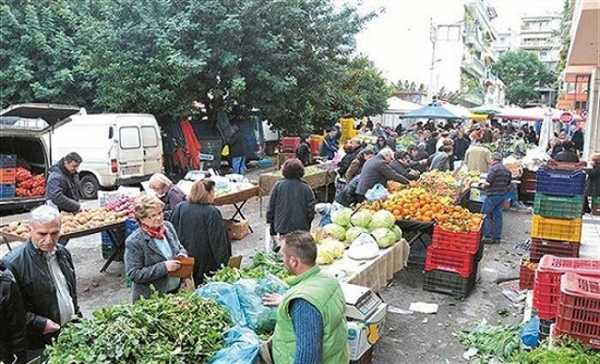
x: 546, y: 131
x: 434, y: 111
x: 487, y: 109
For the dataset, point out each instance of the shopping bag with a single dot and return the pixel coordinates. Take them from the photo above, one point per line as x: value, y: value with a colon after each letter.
x: 377, y: 192
x: 268, y: 239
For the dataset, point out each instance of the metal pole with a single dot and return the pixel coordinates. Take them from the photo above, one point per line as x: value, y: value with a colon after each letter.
x: 433, y: 39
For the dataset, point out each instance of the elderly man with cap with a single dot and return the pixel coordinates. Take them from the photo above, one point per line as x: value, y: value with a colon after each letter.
x: 46, y: 278
x: 498, y: 184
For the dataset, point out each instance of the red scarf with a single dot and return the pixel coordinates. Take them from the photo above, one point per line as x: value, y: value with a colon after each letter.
x: 157, y: 232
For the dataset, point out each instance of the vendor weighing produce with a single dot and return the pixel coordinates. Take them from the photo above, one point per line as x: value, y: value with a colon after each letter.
x: 63, y: 183
x: 311, y: 324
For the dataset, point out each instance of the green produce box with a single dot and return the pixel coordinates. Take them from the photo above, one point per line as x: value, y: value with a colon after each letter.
x: 558, y: 207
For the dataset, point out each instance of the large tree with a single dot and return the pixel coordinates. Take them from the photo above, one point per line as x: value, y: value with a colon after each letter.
x: 522, y: 72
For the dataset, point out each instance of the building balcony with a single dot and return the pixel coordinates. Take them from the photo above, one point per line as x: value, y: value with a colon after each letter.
x: 472, y: 38
x: 537, y: 45
x: 474, y: 66
x: 473, y: 98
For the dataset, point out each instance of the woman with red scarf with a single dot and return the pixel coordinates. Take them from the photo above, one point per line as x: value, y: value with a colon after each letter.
x: 151, y: 249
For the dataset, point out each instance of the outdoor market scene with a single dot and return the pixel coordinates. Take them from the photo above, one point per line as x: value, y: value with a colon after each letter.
x: 258, y: 182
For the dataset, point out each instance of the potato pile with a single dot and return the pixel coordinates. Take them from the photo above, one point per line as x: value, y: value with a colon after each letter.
x: 83, y: 220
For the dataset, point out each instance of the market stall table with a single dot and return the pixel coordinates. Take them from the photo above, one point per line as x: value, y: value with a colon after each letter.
x: 373, y: 273
x: 321, y: 175
x: 238, y: 199
x: 110, y: 229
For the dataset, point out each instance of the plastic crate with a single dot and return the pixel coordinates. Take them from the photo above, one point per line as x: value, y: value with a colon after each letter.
x: 558, y: 207
x: 540, y: 247
x: 8, y: 161
x: 579, y: 309
x: 528, y: 182
x: 7, y: 176
x: 459, y: 241
x: 315, y: 142
x: 566, y: 166
x: 545, y: 328
x: 7, y: 190
x: 450, y: 261
x: 556, y: 229
x: 289, y: 144
x: 560, y: 183
x: 449, y: 283
x: 546, y: 288
x: 526, y: 275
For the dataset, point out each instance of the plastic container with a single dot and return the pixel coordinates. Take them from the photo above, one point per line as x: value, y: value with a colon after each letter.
x: 315, y: 143
x: 556, y: 229
x: 579, y: 309
x: 526, y: 275
x: 540, y: 247
x: 458, y: 241
x: 546, y: 289
x: 7, y: 176
x: 449, y: 283
x: 448, y: 260
x: 8, y: 161
x: 7, y: 190
x: 560, y: 183
x: 558, y: 207
x: 289, y: 144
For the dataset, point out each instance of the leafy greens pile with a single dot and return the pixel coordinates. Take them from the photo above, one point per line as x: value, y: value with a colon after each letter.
x: 179, y: 328
x: 263, y: 264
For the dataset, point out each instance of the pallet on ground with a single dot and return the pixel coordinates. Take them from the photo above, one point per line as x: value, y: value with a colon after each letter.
x: 556, y: 229
x: 540, y: 247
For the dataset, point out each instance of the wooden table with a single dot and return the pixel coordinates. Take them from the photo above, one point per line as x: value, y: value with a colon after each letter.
x: 315, y: 176
x: 238, y: 200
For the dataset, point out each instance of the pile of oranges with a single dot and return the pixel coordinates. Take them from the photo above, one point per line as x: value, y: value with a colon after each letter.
x: 419, y: 205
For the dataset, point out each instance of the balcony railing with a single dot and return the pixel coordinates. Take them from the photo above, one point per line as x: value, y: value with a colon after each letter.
x: 475, y: 65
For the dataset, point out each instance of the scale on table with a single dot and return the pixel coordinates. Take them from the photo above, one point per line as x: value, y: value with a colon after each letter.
x: 362, y: 303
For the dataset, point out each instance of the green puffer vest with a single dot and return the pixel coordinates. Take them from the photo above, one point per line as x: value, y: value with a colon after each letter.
x: 325, y: 293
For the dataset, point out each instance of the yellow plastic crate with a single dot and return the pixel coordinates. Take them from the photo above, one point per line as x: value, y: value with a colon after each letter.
x: 556, y: 229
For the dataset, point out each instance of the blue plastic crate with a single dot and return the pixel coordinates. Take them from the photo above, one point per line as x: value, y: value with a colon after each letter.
x: 7, y: 191
x: 560, y: 183
x: 8, y: 161
x: 130, y: 226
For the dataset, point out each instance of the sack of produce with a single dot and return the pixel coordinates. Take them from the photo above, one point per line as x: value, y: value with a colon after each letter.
x: 259, y: 317
x: 363, y: 248
x: 225, y: 295
x: 242, y: 346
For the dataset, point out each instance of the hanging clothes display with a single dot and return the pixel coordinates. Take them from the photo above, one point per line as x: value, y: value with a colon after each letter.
x: 191, y: 143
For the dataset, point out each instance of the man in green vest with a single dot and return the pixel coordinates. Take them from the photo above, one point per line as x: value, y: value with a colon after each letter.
x: 311, y: 324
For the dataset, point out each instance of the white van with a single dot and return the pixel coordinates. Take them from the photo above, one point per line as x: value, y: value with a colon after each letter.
x: 117, y: 149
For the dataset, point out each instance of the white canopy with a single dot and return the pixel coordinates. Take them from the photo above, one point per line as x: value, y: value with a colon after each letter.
x: 396, y: 107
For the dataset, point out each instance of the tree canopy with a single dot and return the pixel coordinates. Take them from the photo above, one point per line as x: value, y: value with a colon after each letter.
x: 522, y: 72
x: 290, y: 59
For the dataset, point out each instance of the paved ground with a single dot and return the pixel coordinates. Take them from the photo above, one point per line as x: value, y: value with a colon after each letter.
x: 413, y: 338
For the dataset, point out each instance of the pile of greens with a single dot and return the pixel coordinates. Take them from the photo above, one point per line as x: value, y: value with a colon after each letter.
x: 568, y: 352
x: 499, y: 342
x: 263, y: 264
x: 162, y: 329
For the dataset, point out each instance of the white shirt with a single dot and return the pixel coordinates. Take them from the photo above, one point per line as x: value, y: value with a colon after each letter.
x: 65, y: 301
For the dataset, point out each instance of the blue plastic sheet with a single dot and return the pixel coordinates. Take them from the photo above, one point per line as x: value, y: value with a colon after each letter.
x: 226, y: 295
x: 242, y: 346
x: 259, y: 317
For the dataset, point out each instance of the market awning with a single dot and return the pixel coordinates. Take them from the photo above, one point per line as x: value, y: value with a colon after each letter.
x: 488, y: 109
x: 434, y: 111
x: 397, y: 105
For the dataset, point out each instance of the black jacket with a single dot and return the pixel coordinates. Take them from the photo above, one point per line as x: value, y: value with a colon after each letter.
x: 202, y: 233
x: 346, y: 160
x: 377, y: 171
x: 236, y: 145
x: 402, y: 170
x: 12, y: 316
x: 460, y: 147
x: 31, y: 271
x: 303, y: 153
x: 63, y: 188
x: 291, y: 206
x: 347, y: 196
x: 567, y: 156
x: 593, y: 181
x: 577, y: 139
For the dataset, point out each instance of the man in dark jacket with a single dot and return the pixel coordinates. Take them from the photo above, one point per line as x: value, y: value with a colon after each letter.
x: 431, y: 143
x: 303, y: 152
x: 330, y: 144
x: 45, y: 274
x: 352, y: 151
x: 568, y: 153
x: 237, y: 151
x: 377, y: 171
x: 577, y: 139
x: 401, y: 165
x: 63, y: 183
x: 347, y: 196
x: 461, y: 144
x: 12, y: 316
x: 498, y: 185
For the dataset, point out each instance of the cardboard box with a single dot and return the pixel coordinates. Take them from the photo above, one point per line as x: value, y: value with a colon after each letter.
x: 237, y: 230
x: 362, y: 336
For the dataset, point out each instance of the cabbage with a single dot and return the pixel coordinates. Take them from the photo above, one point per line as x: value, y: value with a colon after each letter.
x: 354, y: 232
x: 362, y: 218
x: 384, y: 237
x: 335, y: 231
x: 382, y: 219
x: 342, y: 216
x: 336, y: 246
x: 396, y: 229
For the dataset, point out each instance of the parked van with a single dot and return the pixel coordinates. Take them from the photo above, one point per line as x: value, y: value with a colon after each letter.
x: 22, y: 128
x: 117, y: 149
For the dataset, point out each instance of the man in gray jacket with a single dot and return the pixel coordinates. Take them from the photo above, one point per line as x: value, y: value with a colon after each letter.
x: 63, y: 183
x: 377, y: 170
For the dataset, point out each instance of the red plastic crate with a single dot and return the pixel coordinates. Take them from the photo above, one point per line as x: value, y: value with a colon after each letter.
x: 546, y: 288
x: 541, y: 247
x: 289, y: 144
x: 449, y: 261
x: 579, y: 309
x: 459, y: 241
x: 526, y: 275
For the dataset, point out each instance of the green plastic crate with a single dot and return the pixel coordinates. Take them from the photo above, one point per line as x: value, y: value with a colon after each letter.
x: 558, y: 207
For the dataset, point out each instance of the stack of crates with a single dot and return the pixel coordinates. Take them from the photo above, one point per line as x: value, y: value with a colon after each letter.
x: 451, y: 262
x: 8, y: 164
x: 546, y: 288
x: 578, y: 313
x: 558, y: 207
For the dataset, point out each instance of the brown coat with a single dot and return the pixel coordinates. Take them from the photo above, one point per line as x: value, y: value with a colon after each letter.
x: 353, y: 170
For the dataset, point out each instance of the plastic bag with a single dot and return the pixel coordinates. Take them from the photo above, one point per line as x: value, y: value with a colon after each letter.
x: 226, y: 295
x: 324, y: 210
x: 364, y: 247
x: 242, y: 346
x: 530, y: 332
x: 259, y: 317
x: 377, y: 192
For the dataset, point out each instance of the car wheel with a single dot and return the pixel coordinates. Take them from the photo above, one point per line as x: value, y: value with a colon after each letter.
x: 89, y: 187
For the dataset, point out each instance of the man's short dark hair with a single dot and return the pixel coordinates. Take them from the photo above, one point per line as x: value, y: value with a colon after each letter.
x: 293, y: 169
x: 301, y: 245
x: 73, y: 157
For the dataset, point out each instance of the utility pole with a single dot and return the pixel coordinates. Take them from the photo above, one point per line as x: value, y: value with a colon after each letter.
x: 433, y: 39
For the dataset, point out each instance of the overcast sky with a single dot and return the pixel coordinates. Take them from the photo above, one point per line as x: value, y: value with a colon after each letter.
x: 397, y: 41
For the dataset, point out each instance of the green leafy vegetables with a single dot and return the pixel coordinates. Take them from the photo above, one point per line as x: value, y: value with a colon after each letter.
x: 263, y: 264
